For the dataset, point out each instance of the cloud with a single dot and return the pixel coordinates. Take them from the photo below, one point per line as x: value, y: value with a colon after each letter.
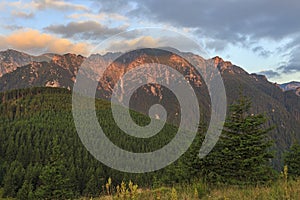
x: 44, y: 4
x: 23, y: 15
x: 293, y: 65
x: 12, y: 27
x: 84, y: 30
x: 115, y: 6
x: 290, y: 67
x: 101, y: 16
x: 140, y: 42
x: 57, y: 4
x: 140, y: 39
x: 270, y: 73
x: 235, y: 22
x: 261, y: 51
x: 35, y: 42
x: 215, y: 44
x: 257, y: 18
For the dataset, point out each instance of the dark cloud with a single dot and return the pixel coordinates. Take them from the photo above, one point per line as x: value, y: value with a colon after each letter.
x: 217, y: 45
x: 261, y: 51
x: 265, y: 53
x: 115, y: 6
x: 293, y: 65
x: 270, y: 73
x: 257, y: 49
x: 84, y: 30
x: 232, y: 21
x: 290, y: 68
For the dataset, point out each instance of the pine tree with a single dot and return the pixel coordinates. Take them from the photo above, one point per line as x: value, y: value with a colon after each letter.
x: 25, y: 191
x: 242, y: 153
x: 292, y: 160
x: 92, y: 188
x: 13, y: 179
x: 54, y: 182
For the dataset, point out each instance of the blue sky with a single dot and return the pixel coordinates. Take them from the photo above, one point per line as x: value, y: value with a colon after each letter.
x: 261, y: 36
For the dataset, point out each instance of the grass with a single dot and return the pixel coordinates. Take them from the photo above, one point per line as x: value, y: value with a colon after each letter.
x: 282, y: 189
x: 279, y: 190
x: 276, y: 191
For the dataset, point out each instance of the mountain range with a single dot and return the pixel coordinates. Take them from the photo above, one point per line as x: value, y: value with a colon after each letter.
x: 280, y: 103
x: 293, y: 85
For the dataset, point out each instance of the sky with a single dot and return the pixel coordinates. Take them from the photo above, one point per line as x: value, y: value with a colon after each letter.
x: 261, y: 36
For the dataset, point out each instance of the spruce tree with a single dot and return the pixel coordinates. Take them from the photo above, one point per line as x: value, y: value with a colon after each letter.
x: 25, y: 191
x: 54, y: 181
x: 292, y: 160
x: 242, y: 153
x: 13, y: 179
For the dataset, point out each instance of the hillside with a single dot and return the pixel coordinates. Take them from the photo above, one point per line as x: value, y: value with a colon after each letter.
x: 281, y: 107
x: 37, y: 134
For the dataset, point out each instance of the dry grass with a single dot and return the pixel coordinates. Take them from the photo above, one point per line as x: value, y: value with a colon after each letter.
x: 280, y: 190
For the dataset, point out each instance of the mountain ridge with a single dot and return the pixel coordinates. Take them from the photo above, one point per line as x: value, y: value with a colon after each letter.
x: 292, y: 85
x: 281, y: 107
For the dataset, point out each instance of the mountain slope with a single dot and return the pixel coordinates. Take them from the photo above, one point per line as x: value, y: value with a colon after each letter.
x: 37, y: 125
x: 11, y: 59
x: 282, y: 108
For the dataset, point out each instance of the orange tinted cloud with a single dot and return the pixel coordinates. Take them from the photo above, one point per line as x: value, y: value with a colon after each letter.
x: 44, y: 4
x: 34, y: 41
x: 140, y: 42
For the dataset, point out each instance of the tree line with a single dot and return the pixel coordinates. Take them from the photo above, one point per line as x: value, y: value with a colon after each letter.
x: 41, y: 155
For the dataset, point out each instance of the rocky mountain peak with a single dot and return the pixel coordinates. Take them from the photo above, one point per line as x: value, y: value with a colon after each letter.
x: 290, y: 86
x: 226, y: 66
x: 68, y: 61
x: 11, y: 59
x: 221, y: 63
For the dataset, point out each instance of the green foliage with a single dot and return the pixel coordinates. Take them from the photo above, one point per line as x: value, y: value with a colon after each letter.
x: 26, y: 191
x: 43, y: 157
x: 292, y: 160
x: 54, y: 181
x: 40, y: 142
x: 92, y: 188
x: 13, y: 179
x: 242, y: 153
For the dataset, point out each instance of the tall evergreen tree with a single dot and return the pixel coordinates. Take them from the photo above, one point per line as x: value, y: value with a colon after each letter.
x: 13, y: 179
x: 292, y: 160
x: 92, y: 188
x: 55, y: 183
x: 25, y: 192
x: 242, y: 153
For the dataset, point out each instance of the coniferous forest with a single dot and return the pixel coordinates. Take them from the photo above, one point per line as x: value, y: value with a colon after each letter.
x: 42, y: 157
